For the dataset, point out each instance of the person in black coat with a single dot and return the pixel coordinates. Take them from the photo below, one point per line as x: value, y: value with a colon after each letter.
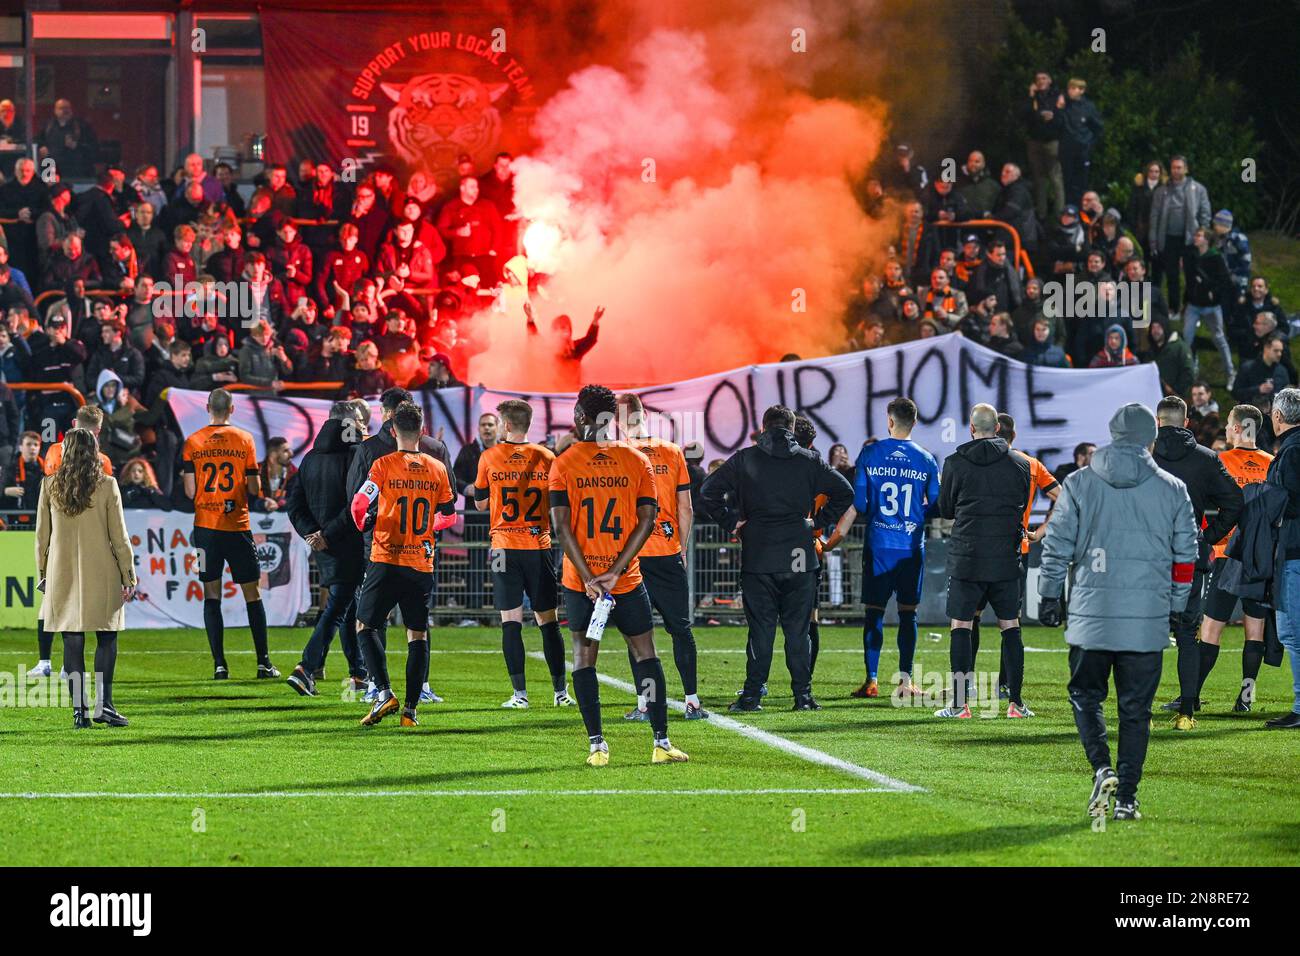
x: 24, y: 197
x: 1210, y: 487
x: 1080, y: 134
x: 765, y: 493
x: 317, y: 506
x: 21, y: 481
x: 1015, y: 207
x: 96, y: 214
x: 984, y: 490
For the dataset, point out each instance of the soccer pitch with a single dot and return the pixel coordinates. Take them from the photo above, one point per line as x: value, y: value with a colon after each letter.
x: 246, y: 772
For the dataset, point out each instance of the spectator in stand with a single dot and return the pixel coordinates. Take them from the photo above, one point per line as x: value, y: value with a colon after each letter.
x: 1179, y: 207
x: 410, y: 258
x: 943, y: 205
x: 195, y: 173
x: 230, y: 197
x: 330, y: 360
x: 148, y: 188
x: 413, y: 211
x: 304, y: 319
x: 1209, y: 286
x: 440, y: 374
x: 117, y: 437
x: 24, y: 198
x: 964, y: 269
x: 1041, y: 350
x: 472, y: 228
x: 363, y: 321
x: 1095, y: 269
x: 1248, y: 306
x: 398, y: 338
x: 259, y: 230
x: 1115, y: 352
x: 1265, y: 328
x: 290, y: 262
x: 277, y: 470
x: 1000, y: 338
x: 140, y: 488
x: 119, y: 269
x: 871, y: 335
x: 1235, y: 247
x: 22, y: 475
x: 341, y: 269
x: 1090, y: 213
x: 370, y: 219
x: 70, y: 142
x: 189, y: 207
x: 917, y: 247
x: 284, y: 198
x: 1044, y: 123
x: 903, y: 176
x: 1107, y: 233
x: 1125, y: 250
x: 1265, y: 376
x: 95, y: 213
x: 325, y: 200
x: 1068, y: 249
x: 1145, y: 184
x: 894, y: 286
x: 178, y: 266
x: 1150, y: 303
x: 117, y: 356
x: 13, y: 133
x: 999, y: 276
x: 266, y: 296
x: 941, y: 302
x: 1080, y: 133
x: 14, y: 360
x: 1030, y: 311
x: 158, y: 415
x: 16, y: 275
x: 977, y: 188
x: 1015, y: 207
x: 1172, y: 357
x: 148, y: 240
x: 388, y: 194
x: 69, y: 264
x: 210, y: 327
x: 262, y: 362
x: 497, y: 186
x: 1082, y: 459
x: 366, y: 378
x: 217, y: 366
x: 54, y: 224
x: 12, y: 294
x: 157, y: 347
x: 227, y: 263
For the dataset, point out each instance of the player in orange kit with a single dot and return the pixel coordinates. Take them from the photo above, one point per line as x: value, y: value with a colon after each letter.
x: 603, y: 509
x: 406, y: 498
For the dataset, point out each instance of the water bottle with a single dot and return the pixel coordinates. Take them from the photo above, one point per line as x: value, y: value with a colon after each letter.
x: 599, y: 616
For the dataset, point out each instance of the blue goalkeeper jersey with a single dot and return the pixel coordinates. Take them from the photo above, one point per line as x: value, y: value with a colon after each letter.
x: 896, y: 488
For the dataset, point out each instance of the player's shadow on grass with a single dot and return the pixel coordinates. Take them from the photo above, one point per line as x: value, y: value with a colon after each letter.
x: 948, y: 848
x: 411, y: 781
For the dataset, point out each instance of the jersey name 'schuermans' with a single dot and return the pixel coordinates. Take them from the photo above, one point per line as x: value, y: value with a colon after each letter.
x: 220, y: 457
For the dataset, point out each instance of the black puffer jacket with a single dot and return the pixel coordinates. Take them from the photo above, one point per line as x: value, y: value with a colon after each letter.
x: 318, y: 500
x: 1208, y: 484
x: 772, y: 486
x: 985, y: 489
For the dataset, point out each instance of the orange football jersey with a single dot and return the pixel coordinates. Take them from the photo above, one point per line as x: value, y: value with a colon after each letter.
x: 407, y: 487
x: 220, y: 457
x: 1247, y: 466
x: 1039, y: 479
x: 602, y: 483
x: 669, y: 467
x: 54, y: 458
x: 514, y: 479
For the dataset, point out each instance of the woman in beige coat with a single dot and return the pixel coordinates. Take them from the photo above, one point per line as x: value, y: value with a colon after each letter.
x: 86, y: 570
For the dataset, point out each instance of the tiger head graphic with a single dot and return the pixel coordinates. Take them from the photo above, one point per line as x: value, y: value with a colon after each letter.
x: 437, y: 116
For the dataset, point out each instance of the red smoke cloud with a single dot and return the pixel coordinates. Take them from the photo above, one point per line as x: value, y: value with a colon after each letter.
x: 703, y: 198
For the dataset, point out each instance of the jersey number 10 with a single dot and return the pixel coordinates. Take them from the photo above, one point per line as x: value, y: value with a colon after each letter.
x: 419, y: 515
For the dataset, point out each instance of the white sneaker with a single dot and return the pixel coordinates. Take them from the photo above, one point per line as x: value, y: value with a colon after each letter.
x: 467, y: 622
x: 515, y: 702
x: 562, y: 699
x: 42, y: 669
x: 427, y: 696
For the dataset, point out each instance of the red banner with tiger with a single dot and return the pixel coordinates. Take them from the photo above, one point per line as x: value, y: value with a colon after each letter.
x: 358, y: 90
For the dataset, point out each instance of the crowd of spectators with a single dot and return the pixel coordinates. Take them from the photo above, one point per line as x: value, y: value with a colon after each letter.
x: 1075, y: 297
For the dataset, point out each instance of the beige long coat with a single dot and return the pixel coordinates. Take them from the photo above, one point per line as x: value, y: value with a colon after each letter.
x: 85, y: 561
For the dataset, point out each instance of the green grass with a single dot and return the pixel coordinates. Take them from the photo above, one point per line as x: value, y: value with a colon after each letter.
x: 995, y: 791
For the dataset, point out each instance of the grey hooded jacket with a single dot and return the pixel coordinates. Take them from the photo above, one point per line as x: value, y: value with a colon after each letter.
x: 1127, y: 528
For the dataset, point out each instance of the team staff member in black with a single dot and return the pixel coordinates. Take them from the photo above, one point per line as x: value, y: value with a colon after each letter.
x: 371, y: 450
x: 317, y: 506
x: 984, y: 489
x: 1209, y: 486
x: 765, y: 493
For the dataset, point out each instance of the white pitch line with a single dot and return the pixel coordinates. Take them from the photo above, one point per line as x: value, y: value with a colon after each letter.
x: 352, y: 794
x: 810, y: 754
x: 496, y: 651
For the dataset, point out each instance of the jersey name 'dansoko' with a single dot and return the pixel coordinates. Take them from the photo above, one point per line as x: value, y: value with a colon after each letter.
x: 601, y: 481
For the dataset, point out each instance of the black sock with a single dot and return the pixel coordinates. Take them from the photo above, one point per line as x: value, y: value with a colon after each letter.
x: 372, y: 652
x: 417, y: 666
x: 553, y: 650
x: 257, y: 624
x: 686, y: 657
x: 105, y: 662
x: 44, y: 641
x: 74, y: 663
x: 216, y: 629
x: 649, y: 677
x: 906, y: 641
x: 1252, y: 656
x: 512, y: 646
x: 1013, y: 657
x: 959, y: 659
x: 1209, y: 656
x: 815, y: 644
x: 975, y: 641
x: 587, y: 691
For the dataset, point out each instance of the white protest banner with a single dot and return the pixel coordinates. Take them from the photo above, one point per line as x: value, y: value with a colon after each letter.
x: 844, y: 395
x: 170, y: 593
